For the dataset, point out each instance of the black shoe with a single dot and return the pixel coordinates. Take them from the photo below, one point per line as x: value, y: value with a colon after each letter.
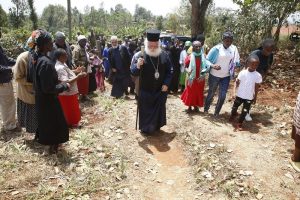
x: 83, y: 98
x: 189, y: 110
x: 36, y: 138
x: 131, y: 91
x: 216, y: 115
x: 53, y: 149
x: 17, y: 129
x: 145, y: 134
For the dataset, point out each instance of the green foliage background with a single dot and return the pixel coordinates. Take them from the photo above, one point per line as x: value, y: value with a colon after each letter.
x: 251, y: 23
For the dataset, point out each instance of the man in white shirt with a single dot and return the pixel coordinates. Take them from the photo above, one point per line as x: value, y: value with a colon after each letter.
x: 247, y: 83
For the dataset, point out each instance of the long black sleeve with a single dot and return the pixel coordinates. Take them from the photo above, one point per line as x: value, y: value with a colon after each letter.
x: 6, y: 64
x: 48, y: 80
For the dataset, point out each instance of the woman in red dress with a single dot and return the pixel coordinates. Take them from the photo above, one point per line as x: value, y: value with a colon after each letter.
x: 197, y: 67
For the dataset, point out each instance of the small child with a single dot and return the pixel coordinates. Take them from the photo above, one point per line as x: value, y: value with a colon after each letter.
x: 68, y: 99
x: 98, y: 65
x: 247, y: 85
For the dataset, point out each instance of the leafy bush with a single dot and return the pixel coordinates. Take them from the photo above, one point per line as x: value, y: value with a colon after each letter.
x: 13, y: 41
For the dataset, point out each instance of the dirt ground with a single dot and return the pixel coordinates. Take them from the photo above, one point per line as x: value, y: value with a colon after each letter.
x: 195, y: 156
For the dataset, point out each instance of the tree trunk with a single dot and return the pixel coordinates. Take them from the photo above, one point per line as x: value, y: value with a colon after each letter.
x: 199, y: 8
x: 283, y: 16
x: 17, y: 16
x: 279, y: 25
x: 69, y: 20
x: 33, y: 16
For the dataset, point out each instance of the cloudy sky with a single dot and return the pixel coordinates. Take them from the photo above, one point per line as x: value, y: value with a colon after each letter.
x: 157, y: 7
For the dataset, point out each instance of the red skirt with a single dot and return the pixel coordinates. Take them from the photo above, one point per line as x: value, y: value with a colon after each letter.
x: 83, y: 85
x: 70, y: 107
x: 193, y: 94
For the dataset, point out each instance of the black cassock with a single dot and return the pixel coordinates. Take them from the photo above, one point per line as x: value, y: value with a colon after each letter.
x: 119, y: 59
x: 52, y: 126
x: 174, y: 56
x: 152, y: 108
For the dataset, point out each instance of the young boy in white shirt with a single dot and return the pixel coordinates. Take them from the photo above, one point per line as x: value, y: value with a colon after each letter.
x: 247, y: 85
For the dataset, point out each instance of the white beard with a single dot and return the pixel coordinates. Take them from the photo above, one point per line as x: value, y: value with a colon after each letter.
x: 114, y: 47
x: 152, y: 53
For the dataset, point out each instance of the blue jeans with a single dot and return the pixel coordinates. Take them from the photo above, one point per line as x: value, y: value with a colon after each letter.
x: 213, y: 83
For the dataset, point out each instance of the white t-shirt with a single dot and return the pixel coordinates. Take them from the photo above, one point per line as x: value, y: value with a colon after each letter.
x: 224, y: 58
x: 246, y: 89
x: 64, y: 74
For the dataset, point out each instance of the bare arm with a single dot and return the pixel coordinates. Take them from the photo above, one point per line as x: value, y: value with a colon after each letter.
x: 236, y: 85
x: 80, y: 75
x: 257, y: 85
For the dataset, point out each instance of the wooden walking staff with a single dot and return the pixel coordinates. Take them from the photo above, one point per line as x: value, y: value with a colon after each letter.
x: 138, y: 90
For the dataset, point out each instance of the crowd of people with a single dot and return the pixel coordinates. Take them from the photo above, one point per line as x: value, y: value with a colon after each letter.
x: 53, y: 77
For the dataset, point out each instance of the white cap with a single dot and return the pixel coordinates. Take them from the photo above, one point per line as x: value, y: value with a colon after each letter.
x: 81, y: 37
x: 114, y: 37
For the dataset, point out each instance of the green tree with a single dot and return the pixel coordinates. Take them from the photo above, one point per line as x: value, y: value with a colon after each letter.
x: 159, y: 23
x: 272, y: 10
x: 172, y: 22
x: 54, y: 18
x: 17, y: 13
x: 3, y: 17
x: 119, y: 17
x: 142, y: 14
x: 33, y: 15
x: 184, y: 12
x: 75, y: 16
x: 69, y: 19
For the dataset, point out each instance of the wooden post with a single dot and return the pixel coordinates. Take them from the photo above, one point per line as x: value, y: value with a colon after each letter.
x: 98, y: 46
x: 69, y: 20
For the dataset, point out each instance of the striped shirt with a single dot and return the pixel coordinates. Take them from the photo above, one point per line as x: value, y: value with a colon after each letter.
x: 297, y: 115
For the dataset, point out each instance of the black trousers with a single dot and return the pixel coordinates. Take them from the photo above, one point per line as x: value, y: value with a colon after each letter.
x: 246, y: 107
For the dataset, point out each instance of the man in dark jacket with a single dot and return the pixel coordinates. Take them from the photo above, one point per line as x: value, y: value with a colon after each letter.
x: 60, y: 42
x: 7, y: 100
x: 120, y: 61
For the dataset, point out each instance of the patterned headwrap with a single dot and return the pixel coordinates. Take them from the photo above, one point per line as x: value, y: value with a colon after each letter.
x: 37, y: 38
x: 31, y: 44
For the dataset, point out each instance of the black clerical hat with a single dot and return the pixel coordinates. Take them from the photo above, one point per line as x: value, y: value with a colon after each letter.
x: 153, y: 35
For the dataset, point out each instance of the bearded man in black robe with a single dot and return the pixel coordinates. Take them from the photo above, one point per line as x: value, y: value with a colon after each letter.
x: 154, y: 69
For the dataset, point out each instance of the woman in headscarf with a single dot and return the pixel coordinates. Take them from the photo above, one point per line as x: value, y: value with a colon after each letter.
x: 197, y: 67
x: 52, y: 127
x: 26, y: 110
